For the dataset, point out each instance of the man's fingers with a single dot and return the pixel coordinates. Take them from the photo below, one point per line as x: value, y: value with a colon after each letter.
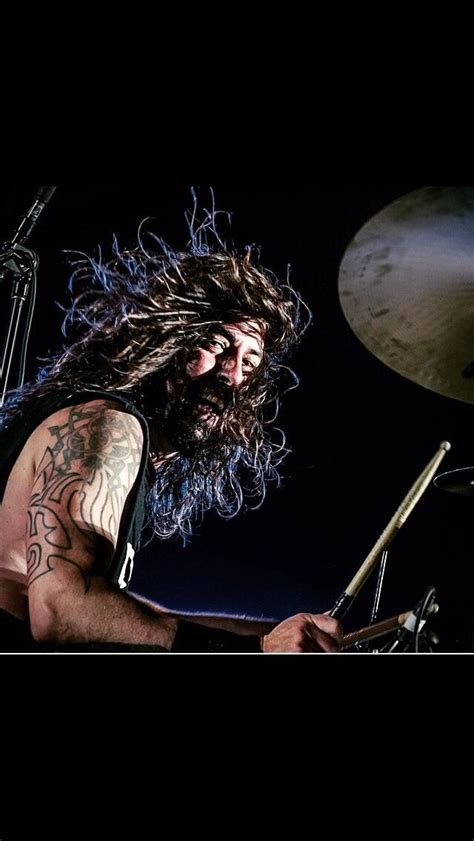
x: 305, y: 632
x: 328, y: 624
x: 321, y: 641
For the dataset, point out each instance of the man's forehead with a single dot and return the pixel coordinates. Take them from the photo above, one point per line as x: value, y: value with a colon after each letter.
x: 251, y: 330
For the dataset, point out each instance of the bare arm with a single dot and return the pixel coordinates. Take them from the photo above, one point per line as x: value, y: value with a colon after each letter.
x: 87, y: 460
x: 243, y: 627
x: 235, y: 625
x: 302, y: 633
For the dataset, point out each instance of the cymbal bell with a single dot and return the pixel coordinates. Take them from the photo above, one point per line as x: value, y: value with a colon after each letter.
x: 406, y: 287
x: 457, y: 481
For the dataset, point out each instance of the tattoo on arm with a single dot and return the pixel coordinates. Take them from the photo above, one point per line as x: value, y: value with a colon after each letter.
x: 80, y: 489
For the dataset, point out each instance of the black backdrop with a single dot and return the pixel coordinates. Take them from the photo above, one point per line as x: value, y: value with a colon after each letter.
x: 361, y: 434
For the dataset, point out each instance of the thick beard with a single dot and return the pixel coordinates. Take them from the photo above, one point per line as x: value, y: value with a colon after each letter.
x: 191, y: 435
x: 180, y: 418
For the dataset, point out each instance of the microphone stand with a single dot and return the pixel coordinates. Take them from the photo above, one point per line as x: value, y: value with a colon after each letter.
x: 19, y: 264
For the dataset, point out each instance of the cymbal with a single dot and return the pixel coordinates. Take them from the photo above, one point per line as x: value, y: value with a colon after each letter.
x: 457, y: 481
x: 406, y: 287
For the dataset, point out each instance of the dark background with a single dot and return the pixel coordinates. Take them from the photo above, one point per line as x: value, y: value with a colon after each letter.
x: 361, y: 434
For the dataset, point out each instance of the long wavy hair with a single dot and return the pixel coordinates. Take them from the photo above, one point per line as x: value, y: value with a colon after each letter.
x: 133, y: 322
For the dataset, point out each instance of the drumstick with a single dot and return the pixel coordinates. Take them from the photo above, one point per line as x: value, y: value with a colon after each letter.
x: 373, y: 631
x: 399, y: 518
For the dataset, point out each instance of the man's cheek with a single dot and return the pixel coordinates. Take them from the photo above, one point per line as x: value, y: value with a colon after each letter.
x: 200, y: 362
x: 192, y: 369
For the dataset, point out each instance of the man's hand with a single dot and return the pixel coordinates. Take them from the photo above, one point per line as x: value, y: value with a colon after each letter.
x: 304, y: 633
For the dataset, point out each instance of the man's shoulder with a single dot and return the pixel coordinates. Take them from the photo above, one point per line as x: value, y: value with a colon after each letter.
x: 92, y: 415
x: 74, y: 423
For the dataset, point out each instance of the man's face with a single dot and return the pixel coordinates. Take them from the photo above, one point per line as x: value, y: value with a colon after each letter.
x: 213, y: 375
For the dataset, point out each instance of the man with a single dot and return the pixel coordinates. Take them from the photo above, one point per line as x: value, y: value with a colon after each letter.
x: 154, y: 414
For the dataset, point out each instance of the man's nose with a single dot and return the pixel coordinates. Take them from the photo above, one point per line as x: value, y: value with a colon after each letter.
x: 231, y: 372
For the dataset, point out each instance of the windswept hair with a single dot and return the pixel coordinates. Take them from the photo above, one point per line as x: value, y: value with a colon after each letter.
x: 134, y: 320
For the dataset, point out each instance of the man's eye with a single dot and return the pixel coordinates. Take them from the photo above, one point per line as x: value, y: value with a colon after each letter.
x: 216, y: 344
x: 248, y: 364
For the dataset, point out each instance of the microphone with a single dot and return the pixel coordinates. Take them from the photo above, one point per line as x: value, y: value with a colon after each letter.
x: 27, y: 224
x: 414, y: 623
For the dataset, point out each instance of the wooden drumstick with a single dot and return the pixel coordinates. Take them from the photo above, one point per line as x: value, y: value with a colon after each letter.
x: 371, y: 632
x: 401, y: 515
x: 374, y: 631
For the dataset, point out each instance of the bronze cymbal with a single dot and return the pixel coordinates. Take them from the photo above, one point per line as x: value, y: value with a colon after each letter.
x: 406, y: 287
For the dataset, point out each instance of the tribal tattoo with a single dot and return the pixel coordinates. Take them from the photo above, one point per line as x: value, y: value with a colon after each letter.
x: 80, y: 489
